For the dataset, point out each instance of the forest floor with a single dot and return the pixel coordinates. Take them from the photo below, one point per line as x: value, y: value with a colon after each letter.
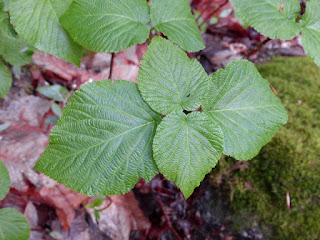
x: 154, y: 210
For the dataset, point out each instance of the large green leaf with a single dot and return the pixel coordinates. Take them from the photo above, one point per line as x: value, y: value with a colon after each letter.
x: 174, y: 19
x: 247, y: 110
x: 310, y: 23
x: 14, y: 50
x: 5, y: 80
x: 108, y: 25
x: 13, y: 225
x: 4, y: 181
x: 186, y: 148
x: 37, y: 22
x: 103, y: 142
x: 168, y: 80
x: 267, y: 17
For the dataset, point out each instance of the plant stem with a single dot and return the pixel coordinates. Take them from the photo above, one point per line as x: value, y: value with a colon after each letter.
x: 111, y: 65
x: 212, y: 13
x: 257, y: 48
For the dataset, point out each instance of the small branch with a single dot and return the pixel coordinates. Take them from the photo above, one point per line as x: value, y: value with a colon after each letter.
x: 213, y: 12
x: 168, y: 219
x: 111, y: 65
x: 257, y: 48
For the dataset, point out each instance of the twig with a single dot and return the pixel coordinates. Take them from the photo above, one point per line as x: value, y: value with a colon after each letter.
x: 212, y: 13
x: 111, y: 65
x: 168, y: 219
x: 257, y: 48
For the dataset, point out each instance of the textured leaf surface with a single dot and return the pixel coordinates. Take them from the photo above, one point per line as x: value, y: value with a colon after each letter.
x: 107, y: 25
x: 186, y: 148
x: 4, y: 181
x: 310, y: 23
x: 272, y: 18
x: 174, y: 19
x: 247, y: 110
x: 13, y: 225
x: 5, y: 80
x: 14, y: 50
x: 102, y: 143
x: 37, y: 22
x: 168, y: 80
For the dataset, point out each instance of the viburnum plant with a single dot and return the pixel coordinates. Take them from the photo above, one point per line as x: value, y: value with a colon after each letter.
x: 177, y: 120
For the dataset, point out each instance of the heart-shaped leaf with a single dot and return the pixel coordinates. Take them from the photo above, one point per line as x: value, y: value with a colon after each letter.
x: 108, y: 25
x: 174, y: 19
x: 245, y: 107
x: 186, y: 148
x: 102, y: 143
x: 37, y: 22
x: 272, y: 18
x: 169, y: 81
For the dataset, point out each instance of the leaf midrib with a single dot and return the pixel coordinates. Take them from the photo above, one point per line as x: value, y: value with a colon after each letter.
x: 103, y: 142
x: 238, y: 109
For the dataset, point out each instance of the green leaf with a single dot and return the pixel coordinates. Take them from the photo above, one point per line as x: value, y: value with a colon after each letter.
x: 13, y: 225
x: 4, y: 5
x: 247, y: 110
x: 99, y: 200
x: 310, y: 23
x: 4, y: 181
x: 169, y: 81
x: 267, y: 18
x: 15, y: 51
x: 96, y: 214
x: 55, y: 92
x: 51, y: 120
x: 5, y: 80
x: 186, y: 148
x: 37, y: 22
x: 107, y: 25
x: 174, y: 19
x: 5, y: 25
x: 102, y: 142
x: 56, y: 109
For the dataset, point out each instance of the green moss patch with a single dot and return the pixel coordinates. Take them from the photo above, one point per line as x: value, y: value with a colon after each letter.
x: 289, y: 164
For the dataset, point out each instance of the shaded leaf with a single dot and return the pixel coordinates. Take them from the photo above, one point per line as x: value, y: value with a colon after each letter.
x: 56, y: 109
x: 5, y: 25
x: 169, y: 81
x: 55, y: 92
x: 13, y: 225
x: 4, y: 181
x: 5, y: 80
x: 14, y: 50
x: 248, y: 112
x: 102, y: 142
x: 107, y: 25
x: 186, y: 148
x: 267, y: 17
x: 99, y: 200
x: 174, y: 19
x: 311, y: 30
x: 37, y: 22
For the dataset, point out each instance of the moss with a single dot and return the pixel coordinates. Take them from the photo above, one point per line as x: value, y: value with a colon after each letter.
x: 289, y: 163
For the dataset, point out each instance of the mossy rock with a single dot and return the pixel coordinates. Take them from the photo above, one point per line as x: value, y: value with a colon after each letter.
x: 289, y: 164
